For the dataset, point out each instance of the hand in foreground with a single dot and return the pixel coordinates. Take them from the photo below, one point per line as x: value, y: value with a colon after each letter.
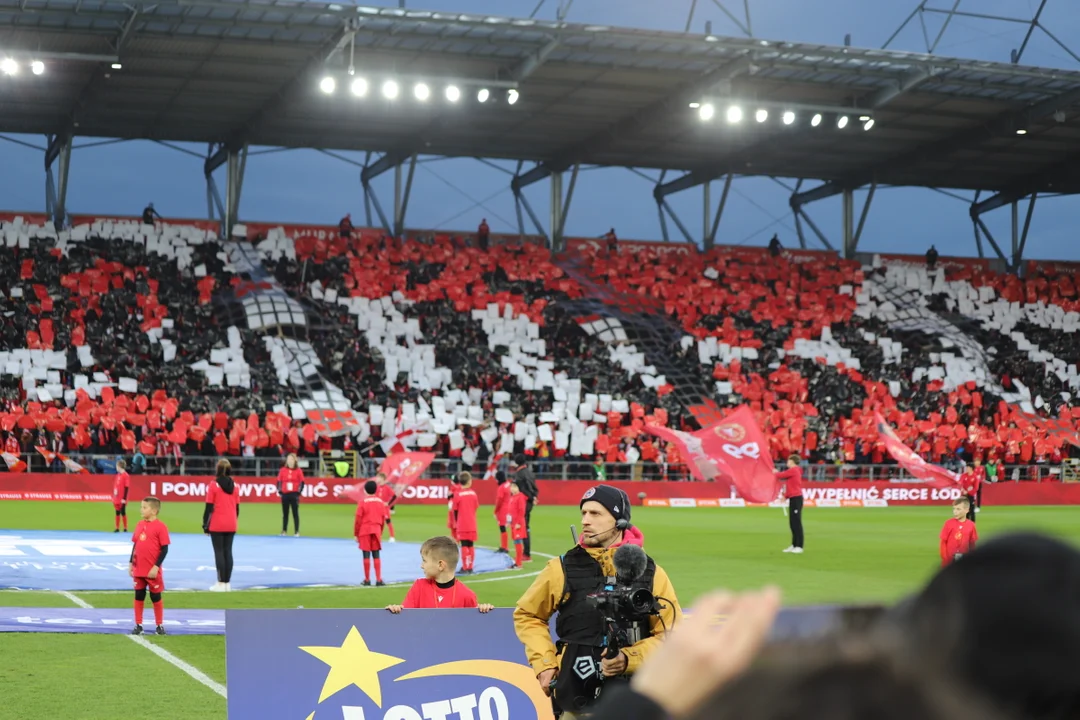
x: 699, y: 656
x: 545, y: 678
x: 396, y: 609
x: 486, y: 607
x: 615, y: 666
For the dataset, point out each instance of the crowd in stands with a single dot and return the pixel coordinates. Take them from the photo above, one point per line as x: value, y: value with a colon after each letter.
x: 107, y: 334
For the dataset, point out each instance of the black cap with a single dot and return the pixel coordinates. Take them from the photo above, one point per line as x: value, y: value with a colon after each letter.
x: 613, y: 499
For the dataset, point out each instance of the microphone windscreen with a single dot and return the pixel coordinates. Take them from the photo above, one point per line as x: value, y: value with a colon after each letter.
x: 630, y: 562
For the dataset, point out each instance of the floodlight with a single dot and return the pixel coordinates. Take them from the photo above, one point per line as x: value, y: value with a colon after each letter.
x: 453, y: 94
x: 327, y: 85
x: 9, y: 66
x: 359, y: 87
x: 695, y: 106
x: 842, y: 122
x: 816, y: 120
x: 37, y: 67
x: 390, y: 89
x: 761, y: 115
x: 1021, y: 131
x: 734, y: 114
x: 483, y: 95
x: 707, y: 111
x: 512, y: 96
x: 869, y: 124
x: 422, y: 92
x: 117, y: 66
x: 789, y: 117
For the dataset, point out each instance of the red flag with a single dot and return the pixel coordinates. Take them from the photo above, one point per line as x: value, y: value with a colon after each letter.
x: 733, y: 451
x: 402, y: 469
x: 909, y: 460
x: 14, y: 464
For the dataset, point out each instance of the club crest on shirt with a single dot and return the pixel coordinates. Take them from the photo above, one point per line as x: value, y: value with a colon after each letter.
x: 142, y: 536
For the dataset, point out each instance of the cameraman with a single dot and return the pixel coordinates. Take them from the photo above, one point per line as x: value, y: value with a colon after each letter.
x: 563, y: 586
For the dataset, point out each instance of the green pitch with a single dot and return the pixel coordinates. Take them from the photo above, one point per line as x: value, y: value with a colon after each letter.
x: 852, y: 555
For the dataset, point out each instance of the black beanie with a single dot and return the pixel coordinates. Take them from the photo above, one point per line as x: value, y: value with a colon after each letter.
x: 614, y: 500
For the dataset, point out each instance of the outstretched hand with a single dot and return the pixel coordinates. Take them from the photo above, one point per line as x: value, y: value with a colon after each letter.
x: 701, y: 655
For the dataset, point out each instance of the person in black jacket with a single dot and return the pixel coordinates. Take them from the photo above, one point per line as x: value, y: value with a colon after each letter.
x: 526, y: 482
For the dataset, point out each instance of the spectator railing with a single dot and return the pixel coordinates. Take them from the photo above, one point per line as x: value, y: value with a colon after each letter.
x: 543, y: 469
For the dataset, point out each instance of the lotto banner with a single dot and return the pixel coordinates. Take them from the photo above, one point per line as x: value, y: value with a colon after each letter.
x: 371, y: 665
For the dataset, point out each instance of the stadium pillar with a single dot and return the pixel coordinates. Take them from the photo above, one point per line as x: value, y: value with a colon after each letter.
x: 389, y: 161
x: 234, y: 158
x: 558, y: 204
x: 58, y: 150
x: 848, y: 221
x: 237, y: 166
x: 401, y: 197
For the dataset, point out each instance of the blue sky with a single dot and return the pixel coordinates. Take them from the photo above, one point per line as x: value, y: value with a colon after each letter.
x: 455, y: 194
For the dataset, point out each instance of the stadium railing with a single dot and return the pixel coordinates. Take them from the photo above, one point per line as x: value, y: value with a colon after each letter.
x: 543, y: 469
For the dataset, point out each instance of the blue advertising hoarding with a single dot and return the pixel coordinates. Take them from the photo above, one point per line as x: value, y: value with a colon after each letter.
x: 371, y: 665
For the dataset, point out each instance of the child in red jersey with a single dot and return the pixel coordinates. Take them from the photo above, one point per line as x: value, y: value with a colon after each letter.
x: 970, y: 483
x: 439, y: 588
x: 371, y: 514
x: 959, y: 535
x: 502, y: 506
x: 150, y: 545
x: 466, y: 504
x: 515, y: 519
x: 121, y: 485
x: 387, y: 495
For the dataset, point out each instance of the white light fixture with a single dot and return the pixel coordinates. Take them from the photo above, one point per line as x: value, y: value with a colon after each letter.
x: 734, y: 114
x: 864, y: 118
x: 9, y: 66
x: 707, y: 111
x: 117, y: 66
x: 359, y: 87
x: 328, y: 85
x: 789, y: 117
x: 37, y: 67
x: 695, y: 106
x: 390, y: 90
x: 422, y: 92
x: 483, y: 95
x: 453, y: 94
x: 1021, y: 131
x: 869, y: 124
x: 842, y: 122
x: 816, y: 120
x: 512, y: 96
x: 761, y: 115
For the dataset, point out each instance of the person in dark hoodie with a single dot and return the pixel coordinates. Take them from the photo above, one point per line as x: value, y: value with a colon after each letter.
x: 219, y: 522
x: 576, y: 669
x: 526, y: 482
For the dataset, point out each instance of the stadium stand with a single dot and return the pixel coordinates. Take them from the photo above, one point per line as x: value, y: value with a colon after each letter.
x: 119, y: 336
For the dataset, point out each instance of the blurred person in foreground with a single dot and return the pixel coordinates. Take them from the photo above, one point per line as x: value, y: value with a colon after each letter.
x: 576, y: 670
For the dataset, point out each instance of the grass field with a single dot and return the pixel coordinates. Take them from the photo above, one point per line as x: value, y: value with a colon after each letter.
x: 853, y: 555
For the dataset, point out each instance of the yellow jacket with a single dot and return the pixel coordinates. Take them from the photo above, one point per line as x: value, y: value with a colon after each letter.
x: 542, y: 599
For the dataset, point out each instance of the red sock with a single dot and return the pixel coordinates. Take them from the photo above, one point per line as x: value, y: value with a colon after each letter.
x: 125, y: 523
x: 502, y: 540
x: 367, y: 569
x: 465, y: 552
x: 519, y: 553
x: 138, y: 612
x: 390, y: 527
x: 378, y: 569
x: 472, y: 557
x: 116, y: 522
x: 159, y: 612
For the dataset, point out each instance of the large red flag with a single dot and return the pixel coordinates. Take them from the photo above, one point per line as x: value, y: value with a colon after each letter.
x: 734, y: 451
x: 401, y: 470
x: 908, y: 459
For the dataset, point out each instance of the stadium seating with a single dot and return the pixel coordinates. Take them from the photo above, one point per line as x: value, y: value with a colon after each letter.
x: 119, y: 336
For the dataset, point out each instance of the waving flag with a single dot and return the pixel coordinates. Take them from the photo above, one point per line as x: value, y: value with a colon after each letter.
x: 908, y: 459
x: 403, y: 469
x: 70, y: 464
x: 14, y: 464
x: 733, y: 451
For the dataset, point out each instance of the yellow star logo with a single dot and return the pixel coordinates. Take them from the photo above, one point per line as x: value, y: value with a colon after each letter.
x: 353, y: 664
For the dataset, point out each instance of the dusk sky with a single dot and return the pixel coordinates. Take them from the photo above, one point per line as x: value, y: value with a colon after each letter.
x: 307, y: 186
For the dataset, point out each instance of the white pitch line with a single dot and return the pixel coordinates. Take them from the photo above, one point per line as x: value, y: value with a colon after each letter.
x: 194, y: 672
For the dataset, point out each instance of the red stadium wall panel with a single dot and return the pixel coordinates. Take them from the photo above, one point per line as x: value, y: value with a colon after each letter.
x: 211, y: 225
x: 181, y: 488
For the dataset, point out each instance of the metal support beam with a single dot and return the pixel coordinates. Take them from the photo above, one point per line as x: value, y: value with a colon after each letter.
x: 534, y: 61
x: 1027, y: 36
x: 556, y: 209
x: 524, y: 202
x: 401, y: 198
x: 813, y: 226
x: 56, y: 184
x: 1018, y: 257
x: 978, y: 240
x: 675, y: 219
x: 710, y: 239
x: 990, y: 237
x: 558, y: 238
x: 1015, y: 232
x: 862, y: 219
x: 847, y: 213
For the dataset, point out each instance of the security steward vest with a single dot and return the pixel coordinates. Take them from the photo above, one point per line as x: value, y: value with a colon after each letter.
x: 581, y: 629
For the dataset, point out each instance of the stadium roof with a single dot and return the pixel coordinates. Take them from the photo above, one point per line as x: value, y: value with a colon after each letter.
x: 248, y: 72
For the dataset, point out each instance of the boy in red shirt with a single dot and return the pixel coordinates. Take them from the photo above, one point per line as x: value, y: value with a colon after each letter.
x: 439, y: 588
x: 466, y: 503
x: 515, y: 518
x: 150, y: 545
x: 502, y: 506
x: 959, y: 535
x: 387, y: 495
x: 371, y: 514
x: 970, y: 483
x: 120, y: 487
